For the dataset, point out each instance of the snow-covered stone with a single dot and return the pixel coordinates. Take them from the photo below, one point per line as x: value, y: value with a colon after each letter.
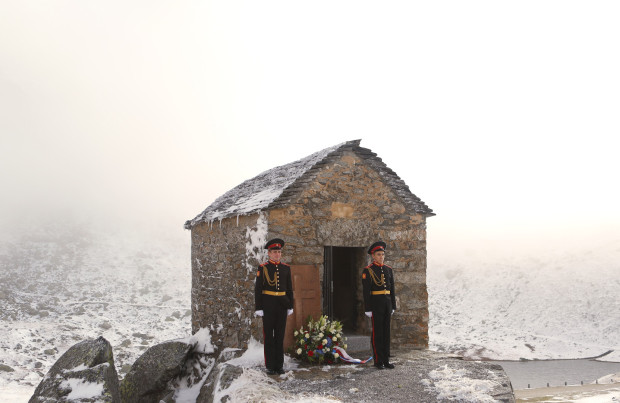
x: 84, y: 373
x: 152, y: 372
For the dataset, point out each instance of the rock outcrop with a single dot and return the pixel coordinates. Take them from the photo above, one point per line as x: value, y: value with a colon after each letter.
x: 149, y: 378
x: 168, y: 372
x: 84, y: 373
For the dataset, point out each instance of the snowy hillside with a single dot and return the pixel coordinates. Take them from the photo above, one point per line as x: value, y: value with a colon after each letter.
x: 60, y: 284
x: 563, y: 305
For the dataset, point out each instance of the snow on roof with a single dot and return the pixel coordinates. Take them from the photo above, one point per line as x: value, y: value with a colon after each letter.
x: 278, y: 185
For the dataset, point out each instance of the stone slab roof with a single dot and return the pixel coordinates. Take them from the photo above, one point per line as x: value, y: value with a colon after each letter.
x: 279, y: 186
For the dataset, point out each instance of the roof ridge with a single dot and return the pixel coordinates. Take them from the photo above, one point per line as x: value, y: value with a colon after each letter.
x: 278, y: 186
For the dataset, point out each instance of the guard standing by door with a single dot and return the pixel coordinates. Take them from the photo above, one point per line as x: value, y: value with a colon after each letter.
x: 273, y: 296
x: 379, y: 303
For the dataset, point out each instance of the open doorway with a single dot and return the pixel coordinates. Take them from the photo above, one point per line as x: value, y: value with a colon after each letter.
x: 342, y: 293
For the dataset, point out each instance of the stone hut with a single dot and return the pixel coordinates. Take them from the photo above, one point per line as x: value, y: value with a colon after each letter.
x: 328, y: 207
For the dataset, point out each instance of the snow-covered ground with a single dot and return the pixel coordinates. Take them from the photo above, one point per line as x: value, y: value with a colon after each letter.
x: 62, y: 283
x: 560, y: 305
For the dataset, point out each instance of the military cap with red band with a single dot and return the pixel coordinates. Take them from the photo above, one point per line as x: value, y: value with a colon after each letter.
x: 380, y: 245
x: 274, y: 244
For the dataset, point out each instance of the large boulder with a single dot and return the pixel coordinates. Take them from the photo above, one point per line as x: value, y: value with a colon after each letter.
x: 84, y: 373
x: 149, y: 379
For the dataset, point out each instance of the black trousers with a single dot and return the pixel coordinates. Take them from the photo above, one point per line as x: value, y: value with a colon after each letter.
x: 380, y: 338
x: 274, y: 325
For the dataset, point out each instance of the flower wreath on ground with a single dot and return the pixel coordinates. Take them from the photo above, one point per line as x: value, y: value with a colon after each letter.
x: 315, y: 343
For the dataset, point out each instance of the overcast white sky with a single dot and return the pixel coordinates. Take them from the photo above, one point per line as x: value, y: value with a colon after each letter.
x: 503, y: 117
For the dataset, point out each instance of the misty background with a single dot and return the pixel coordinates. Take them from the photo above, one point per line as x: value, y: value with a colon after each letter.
x: 121, y: 120
x: 501, y: 117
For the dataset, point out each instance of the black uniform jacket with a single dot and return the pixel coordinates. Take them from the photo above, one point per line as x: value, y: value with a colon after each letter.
x: 372, y: 282
x: 276, y: 278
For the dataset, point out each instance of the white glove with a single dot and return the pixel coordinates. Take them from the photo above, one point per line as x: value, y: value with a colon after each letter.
x: 289, y: 312
x: 392, y: 312
x: 259, y: 313
x: 369, y: 314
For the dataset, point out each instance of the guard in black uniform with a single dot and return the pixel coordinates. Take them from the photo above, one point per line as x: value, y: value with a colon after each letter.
x: 379, y: 303
x: 273, y: 296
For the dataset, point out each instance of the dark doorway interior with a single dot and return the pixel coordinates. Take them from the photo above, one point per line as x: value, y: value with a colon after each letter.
x: 343, y: 267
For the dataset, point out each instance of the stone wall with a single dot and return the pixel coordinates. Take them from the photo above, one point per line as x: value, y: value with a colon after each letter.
x: 225, y: 255
x: 346, y: 205
x: 349, y: 205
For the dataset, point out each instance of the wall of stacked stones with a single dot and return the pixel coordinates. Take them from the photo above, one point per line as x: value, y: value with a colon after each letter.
x: 223, y: 274
x: 348, y: 205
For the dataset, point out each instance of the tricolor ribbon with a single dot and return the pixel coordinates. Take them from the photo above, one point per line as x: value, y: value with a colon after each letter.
x: 347, y: 358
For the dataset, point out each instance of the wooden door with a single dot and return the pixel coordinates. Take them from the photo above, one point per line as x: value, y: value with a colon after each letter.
x: 307, y: 297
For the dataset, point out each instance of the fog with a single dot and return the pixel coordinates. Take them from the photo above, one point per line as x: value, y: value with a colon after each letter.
x: 502, y: 118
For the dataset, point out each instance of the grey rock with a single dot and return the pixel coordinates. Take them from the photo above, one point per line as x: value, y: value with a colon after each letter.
x: 125, y: 368
x: 50, y: 351
x: 142, y: 336
x: 149, y: 377
x: 90, y: 361
x: 105, y: 325
x: 5, y: 368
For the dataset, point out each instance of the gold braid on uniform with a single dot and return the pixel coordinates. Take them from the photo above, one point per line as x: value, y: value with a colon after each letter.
x: 375, y: 279
x: 270, y: 282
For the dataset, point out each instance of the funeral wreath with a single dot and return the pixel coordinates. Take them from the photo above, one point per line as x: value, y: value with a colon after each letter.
x: 315, y: 342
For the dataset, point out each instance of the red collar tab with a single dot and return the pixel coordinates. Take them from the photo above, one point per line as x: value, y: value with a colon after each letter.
x: 273, y: 262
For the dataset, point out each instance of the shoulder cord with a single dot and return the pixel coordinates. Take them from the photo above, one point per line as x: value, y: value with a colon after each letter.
x: 270, y: 282
x: 375, y: 279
